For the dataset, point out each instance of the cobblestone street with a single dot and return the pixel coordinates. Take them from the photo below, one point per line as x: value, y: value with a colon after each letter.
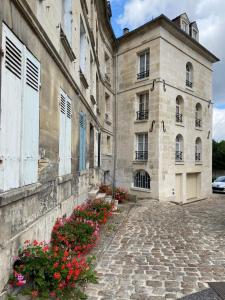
x: 164, y: 251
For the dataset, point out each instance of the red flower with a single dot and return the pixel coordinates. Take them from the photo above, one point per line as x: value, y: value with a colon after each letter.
x: 66, y: 254
x: 35, y: 243
x: 57, y: 275
x: 55, y: 265
x: 45, y: 249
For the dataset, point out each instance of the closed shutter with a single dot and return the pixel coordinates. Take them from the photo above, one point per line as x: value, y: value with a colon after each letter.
x: 96, y: 148
x: 68, y: 137
x: 99, y: 149
x: 67, y: 19
x: 62, y: 133
x: 11, y: 92
x: 30, y: 121
x: 84, y: 142
x: 82, y: 158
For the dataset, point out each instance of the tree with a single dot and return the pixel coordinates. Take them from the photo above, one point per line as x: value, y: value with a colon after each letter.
x: 218, y: 155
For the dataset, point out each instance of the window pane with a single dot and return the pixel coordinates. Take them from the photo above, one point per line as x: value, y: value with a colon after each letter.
x: 147, y: 61
x: 142, y: 63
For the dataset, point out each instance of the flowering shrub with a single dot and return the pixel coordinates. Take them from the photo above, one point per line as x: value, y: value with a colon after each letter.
x: 59, y: 270
x: 121, y: 194
x: 51, y: 272
x: 96, y: 210
x: 76, y: 234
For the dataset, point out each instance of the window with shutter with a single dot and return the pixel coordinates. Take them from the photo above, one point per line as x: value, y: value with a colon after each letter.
x: 82, y: 158
x: 65, y: 134
x: 68, y: 137
x: 62, y: 133
x: 19, y: 135
x: 30, y: 121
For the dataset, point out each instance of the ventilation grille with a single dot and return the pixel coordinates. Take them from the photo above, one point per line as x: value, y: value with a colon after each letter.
x: 13, y: 59
x: 32, y: 75
x: 69, y: 110
x: 63, y: 104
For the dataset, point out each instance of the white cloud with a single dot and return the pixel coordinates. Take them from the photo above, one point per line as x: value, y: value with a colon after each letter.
x: 219, y: 124
x: 208, y: 14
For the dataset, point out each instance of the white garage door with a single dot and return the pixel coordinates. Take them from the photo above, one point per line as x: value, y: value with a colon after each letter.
x: 192, y: 186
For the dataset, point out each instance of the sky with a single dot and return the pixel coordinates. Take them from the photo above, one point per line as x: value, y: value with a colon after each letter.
x: 210, y: 17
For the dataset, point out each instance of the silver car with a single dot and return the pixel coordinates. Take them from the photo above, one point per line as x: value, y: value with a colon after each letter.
x: 219, y: 185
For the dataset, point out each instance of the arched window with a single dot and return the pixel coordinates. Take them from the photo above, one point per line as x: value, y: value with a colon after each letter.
x: 198, y: 115
x: 142, y: 180
x: 198, y: 149
x: 179, y: 109
x: 179, y: 155
x: 189, y: 75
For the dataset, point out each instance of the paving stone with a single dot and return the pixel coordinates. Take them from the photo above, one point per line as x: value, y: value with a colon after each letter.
x: 164, y: 251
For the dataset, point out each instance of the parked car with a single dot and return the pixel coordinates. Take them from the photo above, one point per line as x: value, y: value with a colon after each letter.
x: 219, y: 184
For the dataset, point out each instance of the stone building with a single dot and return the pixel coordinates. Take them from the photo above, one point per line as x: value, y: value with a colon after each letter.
x: 80, y: 107
x: 164, y: 111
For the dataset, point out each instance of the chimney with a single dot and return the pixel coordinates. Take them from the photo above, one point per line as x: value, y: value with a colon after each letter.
x: 125, y: 31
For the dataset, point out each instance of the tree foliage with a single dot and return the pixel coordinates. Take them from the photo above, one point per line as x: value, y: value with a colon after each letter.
x: 219, y: 155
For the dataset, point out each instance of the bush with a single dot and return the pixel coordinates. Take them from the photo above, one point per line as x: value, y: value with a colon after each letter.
x: 96, y: 210
x: 51, y: 272
x: 60, y: 269
x: 121, y: 194
x: 76, y: 234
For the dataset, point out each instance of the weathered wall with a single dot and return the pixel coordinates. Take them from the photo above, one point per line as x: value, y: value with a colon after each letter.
x: 30, y: 212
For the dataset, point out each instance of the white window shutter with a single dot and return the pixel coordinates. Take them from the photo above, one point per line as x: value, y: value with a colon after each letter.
x: 11, y: 91
x: 30, y: 120
x: 62, y: 133
x: 96, y: 147
x: 67, y: 19
x: 68, y: 137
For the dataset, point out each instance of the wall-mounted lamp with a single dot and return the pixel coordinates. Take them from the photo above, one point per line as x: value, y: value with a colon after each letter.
x: 164, y: 85
x: 152, y: 126
x: 153, y: 85
x: 210, y: 102
x: 208, y: 134
x: 163, y: 124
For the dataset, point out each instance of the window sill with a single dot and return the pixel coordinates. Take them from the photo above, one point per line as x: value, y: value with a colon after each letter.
x: 142, y: 79
x: 140, y: 161
x: 20, y: 193
x: 65, y: 178
x: 198, y: 163
x: 140, y: 189
x: 66, y: 45
x: 179, y: 124
x: 179, y: 163
x: 83, y: 80
x: 199, y: 128
x: 141, y: 121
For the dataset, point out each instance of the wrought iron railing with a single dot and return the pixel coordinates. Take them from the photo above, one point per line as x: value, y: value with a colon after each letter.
x: 179, y: 118
x: 143, y: 74
x: 189, y: 83
x: 179, y: 156
x: 198, y: 123
x: 142, y: 115
x: 141, y: 155
x: 197, y: 156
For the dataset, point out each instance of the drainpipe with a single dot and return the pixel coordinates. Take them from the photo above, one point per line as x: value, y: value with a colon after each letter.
x: 115, y: 125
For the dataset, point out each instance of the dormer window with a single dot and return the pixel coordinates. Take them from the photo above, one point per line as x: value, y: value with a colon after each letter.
x: 184, y: 26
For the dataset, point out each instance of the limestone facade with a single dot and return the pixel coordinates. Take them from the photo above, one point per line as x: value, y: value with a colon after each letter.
x: 80, y: 60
